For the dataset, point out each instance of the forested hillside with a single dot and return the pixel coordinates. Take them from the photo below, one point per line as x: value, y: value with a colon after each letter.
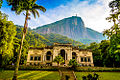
x: 41, y: 40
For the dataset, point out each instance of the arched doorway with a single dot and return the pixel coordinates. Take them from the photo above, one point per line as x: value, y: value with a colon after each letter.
x: 62, y: 53
x: 74, y: 56
x: 49, y: 56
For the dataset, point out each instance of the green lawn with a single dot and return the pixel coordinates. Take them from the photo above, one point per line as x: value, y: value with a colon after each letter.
x: 39, y: 75
x: 54, y: 75
x: 102, y: 75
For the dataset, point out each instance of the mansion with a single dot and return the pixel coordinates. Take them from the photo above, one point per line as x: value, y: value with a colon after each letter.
x: 46, y: 55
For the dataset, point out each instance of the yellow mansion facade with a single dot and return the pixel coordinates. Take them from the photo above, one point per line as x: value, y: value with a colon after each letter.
x: 45, y: 56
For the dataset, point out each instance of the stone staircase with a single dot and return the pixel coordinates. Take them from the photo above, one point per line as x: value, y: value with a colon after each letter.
x: 67, y: 74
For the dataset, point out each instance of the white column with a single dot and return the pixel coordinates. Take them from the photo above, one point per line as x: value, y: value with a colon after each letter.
x: 44, y: 57
x: 91, y: 59
x: 65, y: 55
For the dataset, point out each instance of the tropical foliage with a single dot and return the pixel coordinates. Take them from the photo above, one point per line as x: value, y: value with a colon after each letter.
x: 62, y: 39
x: 8, y: 32
x: 114, y: 32
x: 91, y: 77
x: 107, y: 52
x: 59, y: 59
x: 73, y: 63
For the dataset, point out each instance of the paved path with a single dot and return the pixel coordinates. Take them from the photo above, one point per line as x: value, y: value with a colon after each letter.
x: 67, y: 74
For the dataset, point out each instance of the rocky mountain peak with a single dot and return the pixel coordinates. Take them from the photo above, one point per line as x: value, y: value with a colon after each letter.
x: 72, y: 27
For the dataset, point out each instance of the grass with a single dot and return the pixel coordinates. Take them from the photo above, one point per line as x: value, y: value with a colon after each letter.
x: 39, y: 75
x: 102, y: 75
x: 54, y: 75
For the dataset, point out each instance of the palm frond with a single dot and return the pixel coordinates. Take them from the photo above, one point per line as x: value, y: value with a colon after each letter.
x: 34, y: 1
x: 112, y: 4
x: 37, y: 12
x: 23, y: 5
x: 33, y: 12
x: 18, y: 11
x: 41, y: 8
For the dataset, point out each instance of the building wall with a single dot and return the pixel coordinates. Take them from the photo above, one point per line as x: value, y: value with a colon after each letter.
x: 35, y: 53
x: 86, y: 55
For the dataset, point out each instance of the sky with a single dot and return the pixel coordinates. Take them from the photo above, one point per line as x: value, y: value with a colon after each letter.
x: 92, y: 12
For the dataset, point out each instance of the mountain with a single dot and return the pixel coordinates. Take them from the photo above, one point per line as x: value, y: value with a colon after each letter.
x: 34, y: 39
x: 72, y: 27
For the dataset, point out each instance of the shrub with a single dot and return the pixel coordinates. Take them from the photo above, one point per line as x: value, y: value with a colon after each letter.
x: 1, y: 69
x: 24, y: 67
x: 73, y: 63
x: 91, y: 77
x: 59, y: 59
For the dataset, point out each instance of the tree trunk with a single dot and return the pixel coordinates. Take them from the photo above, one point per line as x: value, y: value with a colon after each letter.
x: 113, y: 60
x: 58, y: 64
x: 19, y: 54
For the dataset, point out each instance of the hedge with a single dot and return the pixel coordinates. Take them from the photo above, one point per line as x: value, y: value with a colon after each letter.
x: 24, y: 67
x: 55, y: 68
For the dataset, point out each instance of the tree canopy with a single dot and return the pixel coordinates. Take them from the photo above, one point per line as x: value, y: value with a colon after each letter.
x: 8, y: 32
x: 114, y: 32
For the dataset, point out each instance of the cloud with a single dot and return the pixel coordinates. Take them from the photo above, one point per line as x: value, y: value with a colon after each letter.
x: 93, y: 14
x: 42, y: 20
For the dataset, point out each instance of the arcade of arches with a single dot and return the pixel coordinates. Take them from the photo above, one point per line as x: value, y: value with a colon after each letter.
x: 40, y: 56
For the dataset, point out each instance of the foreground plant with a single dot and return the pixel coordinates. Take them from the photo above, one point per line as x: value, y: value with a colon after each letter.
x: 73, y: 63
x: 59, y: 59
x: 91, y: 77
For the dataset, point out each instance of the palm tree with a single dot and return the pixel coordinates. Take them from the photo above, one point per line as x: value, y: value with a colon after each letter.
x: 27, y: 6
